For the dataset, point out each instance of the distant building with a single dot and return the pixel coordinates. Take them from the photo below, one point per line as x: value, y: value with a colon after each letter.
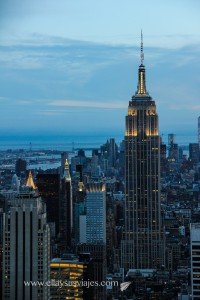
x: 194, y: 152
x: 64, y: 156
x: 199, y: 131
x: 173, y: 154
x: 113, y: 150
x: 195, y: 259
x: 171, y: 138
x: 15, y: 184
x: 26, y: 248
x: 20, y: 167
x: 66, y: 208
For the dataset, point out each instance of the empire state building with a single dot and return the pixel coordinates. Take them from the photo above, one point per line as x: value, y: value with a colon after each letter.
x: 142, y: 246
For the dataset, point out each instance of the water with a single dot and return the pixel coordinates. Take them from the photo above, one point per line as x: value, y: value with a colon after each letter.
x: 67, y: 143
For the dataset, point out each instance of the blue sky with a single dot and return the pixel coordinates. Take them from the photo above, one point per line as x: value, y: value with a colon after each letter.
x: 70, y: 67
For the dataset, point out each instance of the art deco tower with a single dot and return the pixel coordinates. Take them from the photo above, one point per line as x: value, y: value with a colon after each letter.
x: 142, y: 246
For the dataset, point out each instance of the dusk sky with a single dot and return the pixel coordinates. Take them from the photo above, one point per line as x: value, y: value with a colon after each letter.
x: 70, y: 67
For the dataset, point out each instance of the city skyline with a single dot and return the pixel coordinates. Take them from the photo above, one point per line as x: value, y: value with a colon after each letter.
x: 49, y: 74
x: 99, y: 150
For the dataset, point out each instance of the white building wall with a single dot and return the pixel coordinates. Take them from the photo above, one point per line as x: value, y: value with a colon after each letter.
x: 96, y: 215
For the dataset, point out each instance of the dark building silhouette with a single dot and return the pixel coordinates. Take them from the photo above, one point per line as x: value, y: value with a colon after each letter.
x: 64, y: 156
x: 66, y: 209
x: 194, y: 153
x: 49, y: 189
x: 20, y: 167
x: 97, y: 254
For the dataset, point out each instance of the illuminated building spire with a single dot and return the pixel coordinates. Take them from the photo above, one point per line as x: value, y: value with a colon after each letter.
x: 141, y: 88
x: 30, y: 183
x: 66, y: 171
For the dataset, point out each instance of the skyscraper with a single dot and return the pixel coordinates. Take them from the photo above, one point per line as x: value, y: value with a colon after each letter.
x: 66, y: 208
x: 95, y: 234
x: 199, y: 131
x: 26, y: 248
x: 194, y: 152
x: 49, y: 189
x: 96, y: 214
x: 142, y: 246
x: 20, y: 167
x: 195, y: 259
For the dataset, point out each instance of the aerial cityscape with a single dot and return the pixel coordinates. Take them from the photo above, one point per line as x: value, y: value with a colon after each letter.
x: 99, y: 214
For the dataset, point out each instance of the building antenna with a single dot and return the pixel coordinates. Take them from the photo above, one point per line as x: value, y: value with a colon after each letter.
x: 141, y: 50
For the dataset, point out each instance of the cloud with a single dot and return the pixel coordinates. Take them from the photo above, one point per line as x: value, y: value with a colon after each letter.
x: 89, y: 104
x: 57, y: 76
x: 185, y: 107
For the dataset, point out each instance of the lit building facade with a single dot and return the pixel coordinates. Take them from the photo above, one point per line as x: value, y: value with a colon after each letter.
x: 26, y: 248
x: 69, y: 273
x: 142, y: 246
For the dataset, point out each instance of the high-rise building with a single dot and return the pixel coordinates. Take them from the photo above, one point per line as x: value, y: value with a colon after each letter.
x: 142, y: 246
x: 66, y: 208
x: 79, y: 207
x: 195, y: 259
x: 20, y: 167
x: 97, y: 253
x: 95, y: 214
x: 173, y: 154
x: 2, y: 208
x: 194, y: 152
x: 72, y: 271
x: 113, y: 149
x: 93, y: 239
x: 171, y: 138
x: 199, y: 131
x: 26, y: 248
x: 49, y: 189
x: 64, y: 156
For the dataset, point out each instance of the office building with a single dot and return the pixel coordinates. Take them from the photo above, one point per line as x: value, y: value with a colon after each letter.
x: 194, y: 152
x: 195, y: 260
x: 26, y: 248
x: 199, y: 131
x: 49, y: 189
x: 72, y: 271
x: 20, y: 167
x: 142, y: 245
x: 66, y: 208
x: 95, y: 214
